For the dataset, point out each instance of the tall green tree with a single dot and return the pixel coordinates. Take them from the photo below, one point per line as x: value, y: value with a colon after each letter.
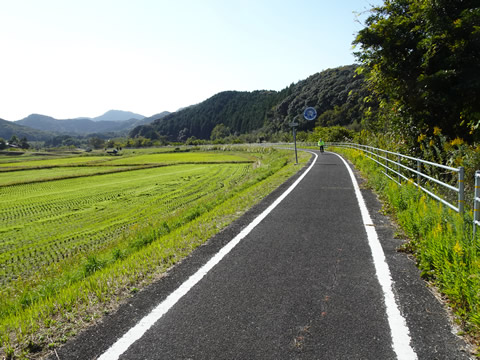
x: 422, y: 58
x: 220, y: 131
x: 24, y: 143
x: 13, y: 140
x: 96, y: 142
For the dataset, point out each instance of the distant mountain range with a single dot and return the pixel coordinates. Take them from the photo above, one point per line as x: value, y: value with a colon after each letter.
x: 118, y: 115
x: 338, y: 95
x: 36, y: 127
x: 80, y: 126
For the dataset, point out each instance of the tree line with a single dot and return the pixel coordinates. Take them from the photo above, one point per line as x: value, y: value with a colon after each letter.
x: 421, y: 61
x: 14, y: 142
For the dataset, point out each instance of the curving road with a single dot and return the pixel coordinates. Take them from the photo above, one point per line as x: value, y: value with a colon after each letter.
x: 304, y: 281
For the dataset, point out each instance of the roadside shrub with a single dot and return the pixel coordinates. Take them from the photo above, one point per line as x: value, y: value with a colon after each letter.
x: 93, y: 264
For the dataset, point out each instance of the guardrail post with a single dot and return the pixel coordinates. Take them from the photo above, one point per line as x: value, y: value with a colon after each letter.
x: 419, y: 169
x: 387, y: 166
x: 461, y: 191
x: 476, y: 210
x: 399, y: 158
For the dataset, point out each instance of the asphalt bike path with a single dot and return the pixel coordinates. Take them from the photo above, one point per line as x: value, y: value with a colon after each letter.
x: 304, y: 283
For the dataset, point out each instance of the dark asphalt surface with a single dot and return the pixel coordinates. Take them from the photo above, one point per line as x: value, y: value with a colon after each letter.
x: 301, y: 285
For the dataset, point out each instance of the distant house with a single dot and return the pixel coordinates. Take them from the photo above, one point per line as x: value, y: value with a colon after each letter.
x: 112, y: 152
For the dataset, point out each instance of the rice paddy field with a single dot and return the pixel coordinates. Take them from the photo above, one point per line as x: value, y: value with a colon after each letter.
x: 80, y: 233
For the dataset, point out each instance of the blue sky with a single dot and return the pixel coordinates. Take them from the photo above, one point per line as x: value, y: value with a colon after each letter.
x: 72, y: 58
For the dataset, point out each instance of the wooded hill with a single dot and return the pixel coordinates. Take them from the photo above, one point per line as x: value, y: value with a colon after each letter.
x: 337, y: 94
x: 9, y: 128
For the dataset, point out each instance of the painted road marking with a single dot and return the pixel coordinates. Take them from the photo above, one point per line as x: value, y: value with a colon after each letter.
x: 143, y: 325
x: 398, y: 326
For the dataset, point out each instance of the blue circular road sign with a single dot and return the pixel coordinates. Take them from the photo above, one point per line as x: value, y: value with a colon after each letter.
x: 310, y: 113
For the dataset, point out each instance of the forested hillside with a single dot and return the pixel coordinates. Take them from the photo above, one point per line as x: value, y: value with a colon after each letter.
x: 241, y: 112
x: 337, y: 94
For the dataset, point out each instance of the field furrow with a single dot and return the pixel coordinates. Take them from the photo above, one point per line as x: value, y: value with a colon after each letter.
x: 49, y: 222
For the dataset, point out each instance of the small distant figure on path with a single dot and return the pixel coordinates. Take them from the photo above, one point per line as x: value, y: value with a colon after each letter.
x: 321, y: 144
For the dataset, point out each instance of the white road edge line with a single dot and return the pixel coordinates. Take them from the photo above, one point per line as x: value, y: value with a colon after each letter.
x: 135, y: 333
x: 398, y: 325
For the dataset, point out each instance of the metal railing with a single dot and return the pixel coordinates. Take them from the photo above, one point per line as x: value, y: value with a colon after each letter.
x: 396, y: 171
x: 476, y: 203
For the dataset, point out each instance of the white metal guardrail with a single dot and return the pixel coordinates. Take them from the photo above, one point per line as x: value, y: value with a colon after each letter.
x: 476, y: 203
x: 396, y: 171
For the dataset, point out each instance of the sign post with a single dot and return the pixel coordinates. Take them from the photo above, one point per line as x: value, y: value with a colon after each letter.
x: 294, y: 129
x: 309, y: 114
